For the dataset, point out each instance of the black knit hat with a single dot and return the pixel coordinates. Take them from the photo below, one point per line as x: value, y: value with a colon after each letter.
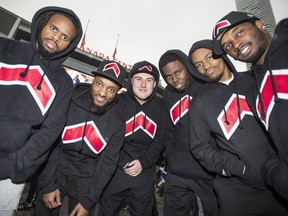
x: 145, y: 67
x: 112, y: 71
x: 227, y: 22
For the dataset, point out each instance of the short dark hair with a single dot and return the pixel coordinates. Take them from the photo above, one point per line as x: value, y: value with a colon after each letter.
x: 169, y: 58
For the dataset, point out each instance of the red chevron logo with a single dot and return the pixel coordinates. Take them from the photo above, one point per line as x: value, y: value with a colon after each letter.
x: 9, y: 75
x: 140, y: 121
x: 148, y: 67
x: 180, y: 108
x: 266, y: 91
x: 92, y: 136
x: 112, y: 66
x: 232, y: 114
x: 218, y: 26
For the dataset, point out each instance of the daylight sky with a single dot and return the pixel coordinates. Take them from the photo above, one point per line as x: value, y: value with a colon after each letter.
x: 146, y: 28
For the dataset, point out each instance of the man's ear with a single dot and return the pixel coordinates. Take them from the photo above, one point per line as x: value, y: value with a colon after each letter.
x: 260, y: 25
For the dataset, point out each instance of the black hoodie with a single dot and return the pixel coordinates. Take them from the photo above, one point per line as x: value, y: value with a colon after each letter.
x: 272, y: 83
x: 89, y: 146
x: 35, y: 95
x: 145, y: 126
x: 179, y: 159
x: 223, y: 111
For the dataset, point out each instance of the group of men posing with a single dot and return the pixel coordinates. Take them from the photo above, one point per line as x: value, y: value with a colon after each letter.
x: 222, y: 132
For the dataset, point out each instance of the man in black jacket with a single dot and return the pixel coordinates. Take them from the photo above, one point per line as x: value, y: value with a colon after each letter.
x: 145, y: 117
x: 87, y: 153
x: 243, y: 36
x: 222, y: 110
x: 186, y: 178
x: 35, y: 92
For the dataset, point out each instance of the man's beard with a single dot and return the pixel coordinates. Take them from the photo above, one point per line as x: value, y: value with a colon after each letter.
x: 216, y: 79
x: 100, y: 109
x: 261, y: 50
x: 43, y: 52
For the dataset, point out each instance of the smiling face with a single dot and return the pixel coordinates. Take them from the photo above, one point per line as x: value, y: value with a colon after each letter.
x: 56, y: 35
x: 176, y: 75
x: 213, y: 68
x: 103, y: 91
x: 143, y: 85
x: 246, y: 42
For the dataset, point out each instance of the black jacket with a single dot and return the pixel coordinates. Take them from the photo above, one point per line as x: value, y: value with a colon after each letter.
x: 145, y: 127
x: 88, y: 148
x: 33, y: 107
x: 179, y: 158
x: 223, y: 111
x: 272, y: 79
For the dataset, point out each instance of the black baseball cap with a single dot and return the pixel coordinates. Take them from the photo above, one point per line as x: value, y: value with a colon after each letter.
x: 113, y: 71
x: 229, y: 21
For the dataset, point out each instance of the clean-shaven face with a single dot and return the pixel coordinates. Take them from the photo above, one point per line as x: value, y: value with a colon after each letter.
x: 143, y: 85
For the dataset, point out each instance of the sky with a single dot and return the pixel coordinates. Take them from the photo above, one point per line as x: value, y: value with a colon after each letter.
x: 146, y: 28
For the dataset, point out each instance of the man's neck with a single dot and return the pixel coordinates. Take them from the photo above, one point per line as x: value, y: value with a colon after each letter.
x: 227, y: 81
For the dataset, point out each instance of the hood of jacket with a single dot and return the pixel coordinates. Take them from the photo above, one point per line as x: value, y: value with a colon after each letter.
x: 208, y: 44
x: 280, y: 35
x: 278, y: 41
x: 59, y: 58
x: 184, y: 59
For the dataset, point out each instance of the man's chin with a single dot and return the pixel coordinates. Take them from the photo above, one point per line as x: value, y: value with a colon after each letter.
x: 101, y: 108
x: 98, y: 109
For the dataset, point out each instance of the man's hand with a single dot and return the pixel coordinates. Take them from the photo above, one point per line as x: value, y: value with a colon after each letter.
x: 79, y: 210
x: 52, y: 200
x: 253, y: 176
x: 134, y: 168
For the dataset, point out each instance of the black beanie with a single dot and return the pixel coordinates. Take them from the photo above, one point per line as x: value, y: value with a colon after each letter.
x: 145, y: 67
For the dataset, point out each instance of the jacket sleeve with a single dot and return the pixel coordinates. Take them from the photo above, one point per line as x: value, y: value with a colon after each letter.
x: 22, y: 163
x: 48, y: 179
x: 105, y: 167
x: 211, y: 158
x: 151, y: 156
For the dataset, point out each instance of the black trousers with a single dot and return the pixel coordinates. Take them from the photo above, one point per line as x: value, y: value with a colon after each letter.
x: 179, y: 196
x: 238, y: 199
x: 72, y: 187
x: 139, y: 192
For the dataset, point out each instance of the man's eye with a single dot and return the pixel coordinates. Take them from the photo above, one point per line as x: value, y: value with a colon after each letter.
x: 239, y: 33
x: 198, y: 65
x: 112, y: 90
x: 65, y: 38
x: 228, y: 47
x: 53, y: 28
